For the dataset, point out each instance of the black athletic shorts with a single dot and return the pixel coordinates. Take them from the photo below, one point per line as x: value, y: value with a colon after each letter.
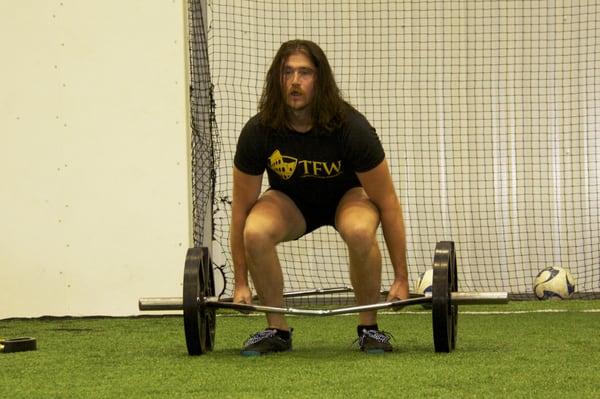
x: 315, y: 217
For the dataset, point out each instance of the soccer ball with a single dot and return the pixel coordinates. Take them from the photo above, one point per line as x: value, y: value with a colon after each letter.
x: 554, y: 282
x: 424, y: 282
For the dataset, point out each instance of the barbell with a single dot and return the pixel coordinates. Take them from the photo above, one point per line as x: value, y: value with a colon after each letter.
x: 199, y: 301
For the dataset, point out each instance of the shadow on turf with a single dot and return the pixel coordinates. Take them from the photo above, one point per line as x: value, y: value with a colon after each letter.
x: 349, y: 352
x: 321, y: 352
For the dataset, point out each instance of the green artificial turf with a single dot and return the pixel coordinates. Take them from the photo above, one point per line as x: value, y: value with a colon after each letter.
x: 523, y: 349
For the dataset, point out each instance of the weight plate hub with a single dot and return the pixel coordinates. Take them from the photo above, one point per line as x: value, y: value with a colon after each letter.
x: 444, y: 313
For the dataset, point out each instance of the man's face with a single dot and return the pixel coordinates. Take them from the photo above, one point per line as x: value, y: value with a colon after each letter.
x: 298, y: 80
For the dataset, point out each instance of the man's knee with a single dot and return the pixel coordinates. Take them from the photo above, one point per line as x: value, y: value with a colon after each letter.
x: 359, y: 237
x: 258, y: 239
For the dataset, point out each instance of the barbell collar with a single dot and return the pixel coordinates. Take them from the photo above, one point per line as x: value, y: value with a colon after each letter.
x: 151, y: 304
x: 478, y: 298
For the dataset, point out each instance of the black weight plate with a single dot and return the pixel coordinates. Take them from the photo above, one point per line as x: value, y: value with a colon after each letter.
x: 209, y: 314
x: 19, y: 344
x: 444, y: 314
x: 193, y: 322
x: 454, y: 288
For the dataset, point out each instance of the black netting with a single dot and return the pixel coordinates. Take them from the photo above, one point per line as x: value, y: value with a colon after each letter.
x: 488, y: 111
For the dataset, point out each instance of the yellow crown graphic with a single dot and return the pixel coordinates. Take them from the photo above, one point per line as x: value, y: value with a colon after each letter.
x: 283, y: 165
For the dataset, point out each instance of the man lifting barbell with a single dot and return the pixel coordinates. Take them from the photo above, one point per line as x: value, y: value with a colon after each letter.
x: 325, y: 166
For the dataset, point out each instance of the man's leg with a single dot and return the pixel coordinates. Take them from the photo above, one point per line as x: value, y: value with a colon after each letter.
x: 357, y: 220
x: 273, y: 219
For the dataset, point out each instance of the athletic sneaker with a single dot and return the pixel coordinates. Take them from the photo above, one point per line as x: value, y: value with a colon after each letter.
x: 266, y: 341
x: 375, y: 341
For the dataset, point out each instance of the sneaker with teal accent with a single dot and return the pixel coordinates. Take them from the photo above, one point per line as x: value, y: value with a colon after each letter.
x: 375, y: 342
x: 266, y: 341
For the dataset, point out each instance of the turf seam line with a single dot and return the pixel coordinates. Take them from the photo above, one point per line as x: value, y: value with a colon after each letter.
x: 469, y: 312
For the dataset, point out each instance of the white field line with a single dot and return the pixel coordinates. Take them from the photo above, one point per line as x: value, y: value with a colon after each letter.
x: 470, y: 312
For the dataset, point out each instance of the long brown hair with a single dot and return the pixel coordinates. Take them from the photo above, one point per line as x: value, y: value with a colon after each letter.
x: 328, y: 108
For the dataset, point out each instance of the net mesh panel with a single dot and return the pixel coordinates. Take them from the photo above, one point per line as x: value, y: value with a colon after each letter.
x: 488, y: 112
x: 205, y: 147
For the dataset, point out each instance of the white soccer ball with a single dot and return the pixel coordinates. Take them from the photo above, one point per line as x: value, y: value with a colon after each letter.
x: 424, y: 284
x: 554, y: 282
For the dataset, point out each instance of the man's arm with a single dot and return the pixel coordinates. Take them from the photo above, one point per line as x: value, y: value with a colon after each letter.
x: 246, y: 189
x: 379, y: 186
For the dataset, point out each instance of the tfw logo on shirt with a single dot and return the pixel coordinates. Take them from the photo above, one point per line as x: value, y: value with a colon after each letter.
x: 285, y: 166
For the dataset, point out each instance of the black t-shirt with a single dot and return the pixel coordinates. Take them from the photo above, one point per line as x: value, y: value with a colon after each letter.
x: 314, y: 169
